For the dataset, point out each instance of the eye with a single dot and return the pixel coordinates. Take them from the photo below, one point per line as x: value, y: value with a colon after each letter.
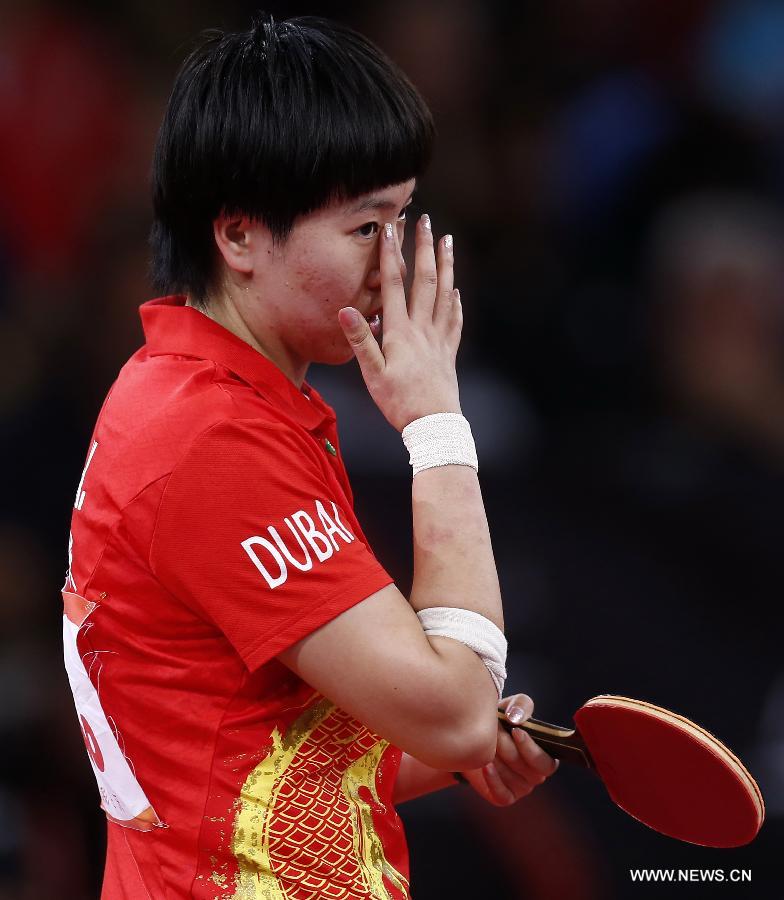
x: 368, y: 230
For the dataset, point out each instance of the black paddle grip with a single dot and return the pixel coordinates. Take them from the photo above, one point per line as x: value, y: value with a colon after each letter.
x: 561, y: 743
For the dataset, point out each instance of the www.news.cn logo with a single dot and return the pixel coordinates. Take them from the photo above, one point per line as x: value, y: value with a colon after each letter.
x: 670, y: 875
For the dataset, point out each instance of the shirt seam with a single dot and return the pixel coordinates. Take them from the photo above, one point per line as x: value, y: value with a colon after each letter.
x: 112, y: 532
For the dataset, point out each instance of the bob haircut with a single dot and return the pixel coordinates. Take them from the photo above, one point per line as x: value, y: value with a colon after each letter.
x: 274, y: 123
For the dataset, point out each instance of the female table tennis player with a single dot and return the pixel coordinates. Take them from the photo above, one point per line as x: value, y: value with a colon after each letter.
x: 255, y: 693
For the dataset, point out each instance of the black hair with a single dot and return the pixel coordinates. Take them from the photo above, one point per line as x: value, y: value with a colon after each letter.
x: 274, y: 123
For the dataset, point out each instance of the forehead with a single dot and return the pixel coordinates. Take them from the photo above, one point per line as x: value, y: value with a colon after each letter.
x: 382, y: 200
x: 385, y: 201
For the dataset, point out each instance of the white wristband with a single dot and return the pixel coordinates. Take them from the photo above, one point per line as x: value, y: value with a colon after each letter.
x: 442, y: 439
x: 484, y: 637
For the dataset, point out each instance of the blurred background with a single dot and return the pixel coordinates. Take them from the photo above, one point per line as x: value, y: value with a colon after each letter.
x: 613, y: 173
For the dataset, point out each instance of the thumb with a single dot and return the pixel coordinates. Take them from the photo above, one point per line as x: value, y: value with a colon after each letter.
x: 359, y: 335
x: 518, y: 707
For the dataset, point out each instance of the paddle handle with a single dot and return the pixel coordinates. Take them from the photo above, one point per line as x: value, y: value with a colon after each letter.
x: 560, y: 742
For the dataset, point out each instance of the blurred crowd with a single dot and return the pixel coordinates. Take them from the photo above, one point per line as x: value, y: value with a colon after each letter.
x: 613, y: 174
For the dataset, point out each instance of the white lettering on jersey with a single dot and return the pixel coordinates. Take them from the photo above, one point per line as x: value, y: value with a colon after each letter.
x: 80, y: 494
x: 302, y: 566
x: 272, y: 580
x: 321, y: 546
x: 270, y: 556
x: 331, y: 527
x: 70, y: 584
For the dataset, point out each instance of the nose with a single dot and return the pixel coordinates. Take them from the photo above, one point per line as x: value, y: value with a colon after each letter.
x: 374, y: 275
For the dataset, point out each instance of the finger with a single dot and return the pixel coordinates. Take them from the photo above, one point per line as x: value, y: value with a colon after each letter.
x: 446, y: 280
x: 519, y: 783
x: 518, y: 707
x: 358, y: 334
x: 393, y: 294
x: 532, y: 754
x: 504, y: 785
x: 425, y: 284
x: 507, y: 749
x: 455, y: 326
x: 518, y: 763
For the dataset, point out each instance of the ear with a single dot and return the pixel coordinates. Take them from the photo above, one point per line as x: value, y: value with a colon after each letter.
x: 239, y: 240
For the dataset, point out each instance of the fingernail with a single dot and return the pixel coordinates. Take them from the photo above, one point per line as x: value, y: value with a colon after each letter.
x: 490, y: 769
x: 515, y: 714
x: 351, y: 315
x: 388, y: 233
x: 426, y: 221
x: 448, y: 243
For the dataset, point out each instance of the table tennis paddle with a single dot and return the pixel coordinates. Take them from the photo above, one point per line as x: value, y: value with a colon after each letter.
x: 660, y: 768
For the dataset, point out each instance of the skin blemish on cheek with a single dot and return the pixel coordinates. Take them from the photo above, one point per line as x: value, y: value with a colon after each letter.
x: 310, y: 278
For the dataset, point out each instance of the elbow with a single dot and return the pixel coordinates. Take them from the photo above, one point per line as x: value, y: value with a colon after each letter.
x: 460, y: 746
x: 479, y: 742
x: 454, y: 726
x: 476, y: 748
x: 464, y: 734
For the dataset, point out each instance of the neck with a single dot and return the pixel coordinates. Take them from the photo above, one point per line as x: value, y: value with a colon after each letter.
x: 227, y: 314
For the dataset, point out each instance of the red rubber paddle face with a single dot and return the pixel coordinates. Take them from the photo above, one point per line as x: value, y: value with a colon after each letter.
x: 670, y: 774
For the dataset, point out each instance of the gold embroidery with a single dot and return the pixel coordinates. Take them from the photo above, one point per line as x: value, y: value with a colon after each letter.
x: 302, y: 830
x: 367, y: 845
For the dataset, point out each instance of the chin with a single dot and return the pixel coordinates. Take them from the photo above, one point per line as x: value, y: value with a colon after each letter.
x: 336, y: 355
x: 338, y: 359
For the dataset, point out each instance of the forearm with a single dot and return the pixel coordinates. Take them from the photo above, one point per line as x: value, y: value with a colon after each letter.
x: 415, y: 779
x: 453, y: 555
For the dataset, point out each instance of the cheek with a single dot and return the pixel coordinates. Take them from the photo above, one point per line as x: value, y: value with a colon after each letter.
x: 313, y: 278
x: 331, y: 277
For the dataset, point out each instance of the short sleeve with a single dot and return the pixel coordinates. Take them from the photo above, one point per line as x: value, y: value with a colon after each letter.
x: 253, y: 530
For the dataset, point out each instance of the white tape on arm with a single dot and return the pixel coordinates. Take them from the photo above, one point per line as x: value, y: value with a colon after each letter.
x: 484, y: 637
x: 443, y: 439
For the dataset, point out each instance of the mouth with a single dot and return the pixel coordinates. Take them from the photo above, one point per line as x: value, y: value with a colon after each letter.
x: 375, y: 320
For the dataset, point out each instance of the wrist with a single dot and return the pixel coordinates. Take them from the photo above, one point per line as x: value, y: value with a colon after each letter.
x: 440, y: 439
x: 440, y: 409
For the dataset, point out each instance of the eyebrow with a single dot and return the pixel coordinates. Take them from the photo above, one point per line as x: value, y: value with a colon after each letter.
x: 374, y: 202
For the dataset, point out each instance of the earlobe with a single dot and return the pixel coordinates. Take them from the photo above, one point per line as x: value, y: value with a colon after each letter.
x: 234, y: 238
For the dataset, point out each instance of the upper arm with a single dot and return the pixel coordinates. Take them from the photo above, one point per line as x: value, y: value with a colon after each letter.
x: 431, y: 697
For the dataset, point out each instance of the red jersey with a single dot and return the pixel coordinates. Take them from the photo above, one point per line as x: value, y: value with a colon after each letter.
x: 213, y: 527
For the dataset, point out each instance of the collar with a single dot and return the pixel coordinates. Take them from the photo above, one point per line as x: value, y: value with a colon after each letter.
x: 172, y: 328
